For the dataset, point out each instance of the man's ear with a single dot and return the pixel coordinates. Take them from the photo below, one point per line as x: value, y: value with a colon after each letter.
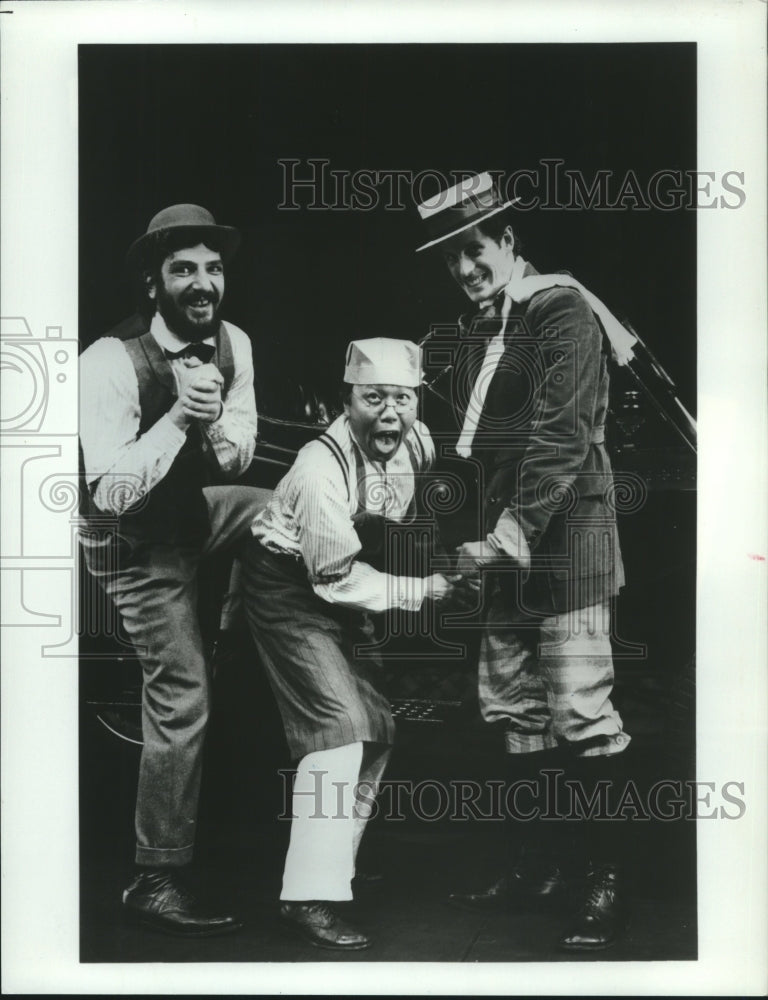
x: 508, y: 238
x: 149, y: 285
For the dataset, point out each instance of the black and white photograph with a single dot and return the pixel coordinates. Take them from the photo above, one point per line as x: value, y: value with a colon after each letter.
x: 387, y: 442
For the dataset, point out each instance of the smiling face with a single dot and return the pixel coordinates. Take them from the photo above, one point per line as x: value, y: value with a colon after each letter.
x: 188, y: 291
x: 478, y: 263
x: 380, y: 416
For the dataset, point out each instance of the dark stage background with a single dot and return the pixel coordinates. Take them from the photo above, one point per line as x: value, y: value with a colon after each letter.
x: 163, y: 124
x: 171, y: 123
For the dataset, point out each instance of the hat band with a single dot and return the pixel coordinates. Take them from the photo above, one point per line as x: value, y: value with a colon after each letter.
x: 474, y: 207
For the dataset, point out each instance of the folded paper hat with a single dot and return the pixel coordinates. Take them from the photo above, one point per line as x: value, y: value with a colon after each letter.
x: 383, y: 361
x: 466, y: 204
x: 196, y: 220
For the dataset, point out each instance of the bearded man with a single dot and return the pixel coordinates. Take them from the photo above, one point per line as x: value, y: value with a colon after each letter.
x: 167, y: 415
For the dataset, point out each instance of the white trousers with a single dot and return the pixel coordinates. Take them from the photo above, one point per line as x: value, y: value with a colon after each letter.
x: 333, y: 797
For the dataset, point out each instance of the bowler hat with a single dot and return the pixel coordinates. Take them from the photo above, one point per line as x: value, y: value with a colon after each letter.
x: 468, y: 203
x: 184, y: 217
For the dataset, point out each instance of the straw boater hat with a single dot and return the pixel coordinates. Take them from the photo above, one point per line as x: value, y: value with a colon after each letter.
x: 468, y: 203
x: 198, y: 221
x: 383, y: 361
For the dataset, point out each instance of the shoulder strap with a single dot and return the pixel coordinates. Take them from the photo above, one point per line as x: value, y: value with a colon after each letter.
x: 421, y: 448
x: 416, y: 464
x: 338, y: 454
x: 360, y: 474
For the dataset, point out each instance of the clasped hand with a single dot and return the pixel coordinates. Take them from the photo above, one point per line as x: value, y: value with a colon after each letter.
x: 473, y: 556
x: 199, y: 393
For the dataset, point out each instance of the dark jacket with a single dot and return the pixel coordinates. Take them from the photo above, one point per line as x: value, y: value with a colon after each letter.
x: 541, y: 444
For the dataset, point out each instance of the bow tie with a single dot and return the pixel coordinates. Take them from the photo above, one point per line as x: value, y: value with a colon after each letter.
x: 203, y: 351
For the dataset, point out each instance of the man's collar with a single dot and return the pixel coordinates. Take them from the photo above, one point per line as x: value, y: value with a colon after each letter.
x: 167, y: 339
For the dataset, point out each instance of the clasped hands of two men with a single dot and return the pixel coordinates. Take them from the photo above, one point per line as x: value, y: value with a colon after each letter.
x: 200, y: 399
x: 464, y: 581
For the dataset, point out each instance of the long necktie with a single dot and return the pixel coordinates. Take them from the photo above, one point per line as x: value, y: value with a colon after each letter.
x: 520, y: 289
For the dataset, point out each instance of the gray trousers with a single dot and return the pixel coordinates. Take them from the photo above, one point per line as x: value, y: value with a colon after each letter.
x: 552, y: 687
x: 156, y: 594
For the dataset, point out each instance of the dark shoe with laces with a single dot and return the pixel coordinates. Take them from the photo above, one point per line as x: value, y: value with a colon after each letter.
x: 603, y: 916
x: 322, y: 926
x: 526, y: 887
x: 159, y: 899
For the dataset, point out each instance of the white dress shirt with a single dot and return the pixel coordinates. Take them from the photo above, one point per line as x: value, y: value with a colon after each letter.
x: 110, y: 415
x: 310, y: 517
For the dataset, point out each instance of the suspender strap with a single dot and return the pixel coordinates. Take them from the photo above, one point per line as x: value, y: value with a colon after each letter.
x: 334, y: 448
x: 360, y: 470
x: 422, y: 464
x: 417, y: 463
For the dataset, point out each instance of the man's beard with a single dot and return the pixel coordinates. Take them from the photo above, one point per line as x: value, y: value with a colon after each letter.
x: 179, y: 323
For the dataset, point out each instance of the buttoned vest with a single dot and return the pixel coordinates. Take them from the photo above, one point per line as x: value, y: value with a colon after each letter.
x: 174, y: 511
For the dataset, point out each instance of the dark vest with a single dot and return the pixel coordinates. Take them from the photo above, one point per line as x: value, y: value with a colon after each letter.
x: 174, y: 511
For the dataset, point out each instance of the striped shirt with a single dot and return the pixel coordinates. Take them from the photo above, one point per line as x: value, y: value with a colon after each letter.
x: 110, y: 415
x: 310, y: 517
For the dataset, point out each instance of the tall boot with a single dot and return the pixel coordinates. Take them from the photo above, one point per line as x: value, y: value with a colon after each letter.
x: 603, y: 914
x: 532, y: 875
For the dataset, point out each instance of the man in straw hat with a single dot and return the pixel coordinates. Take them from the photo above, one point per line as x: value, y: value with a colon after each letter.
x: 309, y: 584
x: 531, y: 388
x: 167, y: 412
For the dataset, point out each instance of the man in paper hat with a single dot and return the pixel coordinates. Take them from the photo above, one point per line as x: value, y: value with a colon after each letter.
x: 531, y: 386
x: 309, y: 585
x: 167, y: 413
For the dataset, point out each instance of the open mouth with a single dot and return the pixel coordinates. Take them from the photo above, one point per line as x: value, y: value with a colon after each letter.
x: 474, y: 282
x: 201, y: 304
x: 202, y: 313
x: 386, y: 441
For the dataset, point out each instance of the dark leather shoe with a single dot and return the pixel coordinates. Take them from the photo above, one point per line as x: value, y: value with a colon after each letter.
x: 160, y: 900
x: 603, y: 917
x: 321, y: 926
x: 523, y: 888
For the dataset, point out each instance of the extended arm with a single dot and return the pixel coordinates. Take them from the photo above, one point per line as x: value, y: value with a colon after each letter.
x: 329, y: 546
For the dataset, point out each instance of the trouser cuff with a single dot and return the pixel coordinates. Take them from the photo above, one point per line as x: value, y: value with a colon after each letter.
x: 157, y: 857
x: 528, y: 742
